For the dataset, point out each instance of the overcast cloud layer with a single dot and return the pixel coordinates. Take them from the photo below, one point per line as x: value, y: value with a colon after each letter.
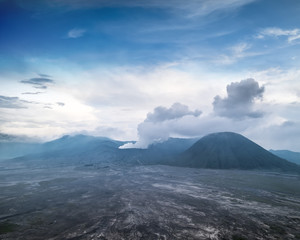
x: 148, y: 70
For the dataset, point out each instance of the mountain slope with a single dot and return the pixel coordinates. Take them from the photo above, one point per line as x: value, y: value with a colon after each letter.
x: 288, y: 155
x: 156, y: 153
x: 73, y: 150
x: 220, y: 151
x: 227, y: 150
x: 15, y: 149
x: 89, y: 150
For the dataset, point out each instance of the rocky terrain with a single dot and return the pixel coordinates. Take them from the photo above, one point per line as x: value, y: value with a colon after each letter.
x: 147, y: 202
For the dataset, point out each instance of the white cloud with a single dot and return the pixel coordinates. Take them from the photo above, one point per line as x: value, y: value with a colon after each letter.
x: 44, y: 118
x: 190, y: 8
x: 157, y: 126
x: 203, y: 7
x: 236, y: 53
x: 291, y: 34
x: 76, y: 33
x: 284, y: 135
x: 143, y: 88
x: 240, y: 49
x: 282, y: 85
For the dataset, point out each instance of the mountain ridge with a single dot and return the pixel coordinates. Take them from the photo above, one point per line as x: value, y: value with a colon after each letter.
x: 224, y: 150
x: 291, y: 156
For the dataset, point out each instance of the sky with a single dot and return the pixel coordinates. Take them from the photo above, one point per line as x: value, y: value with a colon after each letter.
x: 147, y: 70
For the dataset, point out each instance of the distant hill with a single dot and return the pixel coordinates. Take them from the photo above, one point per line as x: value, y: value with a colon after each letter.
x: 157, y: 153
x: 73, y: 150
x: 72, y: 145
x: 89, y: 150
x: 288, y: 155
x: 12, y: 146
x: 227, y: 150
x: 16, y: 149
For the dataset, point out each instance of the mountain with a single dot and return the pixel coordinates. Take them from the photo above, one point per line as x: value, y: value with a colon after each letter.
x: 227, y: 150
x: 288, y: 155
x: 73, y: 150
x: 72, y: 145
x: 89, y: 150
x: 219, y: 151
x: 156, y: 153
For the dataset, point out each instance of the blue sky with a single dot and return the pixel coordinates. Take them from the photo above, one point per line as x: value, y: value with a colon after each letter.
x: 99, y: 67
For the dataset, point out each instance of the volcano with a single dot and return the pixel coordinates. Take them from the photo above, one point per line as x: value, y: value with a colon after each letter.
x: 228, y: 150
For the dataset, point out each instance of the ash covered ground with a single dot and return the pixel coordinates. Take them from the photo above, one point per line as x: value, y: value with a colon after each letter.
x: 147, y: 202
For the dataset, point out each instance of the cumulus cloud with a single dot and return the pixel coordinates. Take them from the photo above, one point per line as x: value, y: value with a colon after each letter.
x: 76, y: 33
x: 240, y: 100
x: 11, y: 102
x: 40, y: 82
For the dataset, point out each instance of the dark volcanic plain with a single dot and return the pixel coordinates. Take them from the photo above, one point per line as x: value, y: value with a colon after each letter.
x: 147, y: 202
